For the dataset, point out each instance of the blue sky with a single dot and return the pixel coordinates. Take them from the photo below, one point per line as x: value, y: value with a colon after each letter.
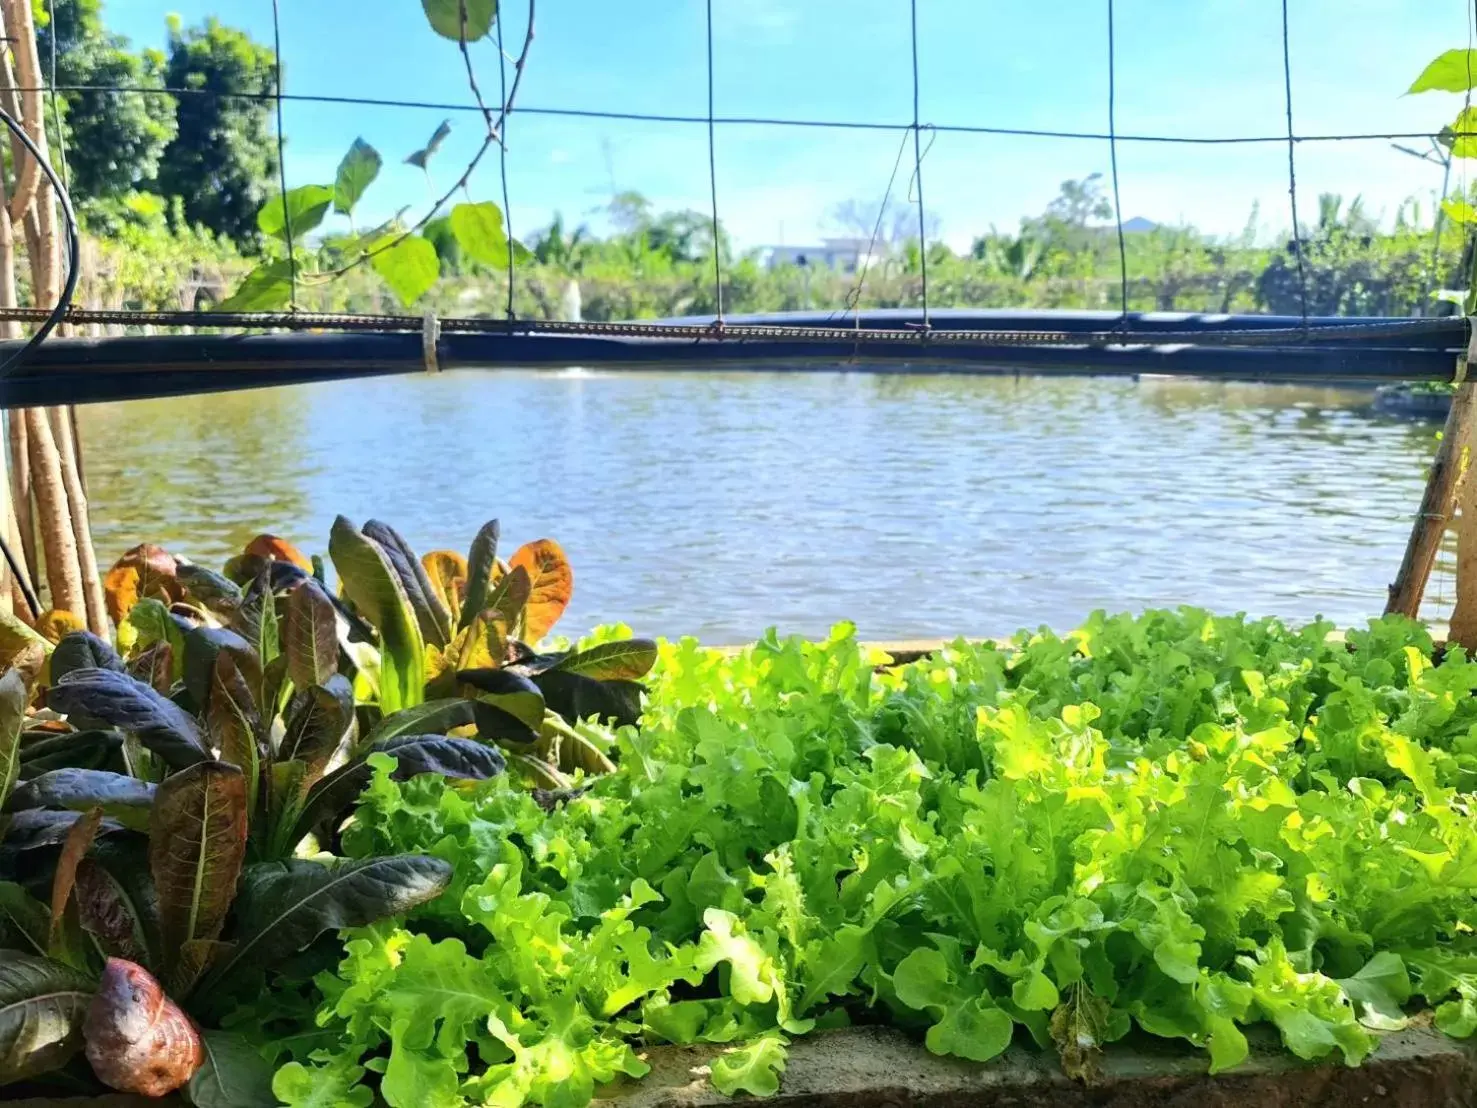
x: 1185, y: 67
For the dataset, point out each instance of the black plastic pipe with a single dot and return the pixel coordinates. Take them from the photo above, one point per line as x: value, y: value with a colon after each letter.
x: 1441, y: 332
x: 82, y: 371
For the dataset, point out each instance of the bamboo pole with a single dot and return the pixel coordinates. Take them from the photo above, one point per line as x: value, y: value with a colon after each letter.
x: 95, y: 611
x: 15, y: 490
x: 58, y: 541
x: 1439, y: 500
x: 61, y: 503
x: 25, y: 106
x: 20, y: 491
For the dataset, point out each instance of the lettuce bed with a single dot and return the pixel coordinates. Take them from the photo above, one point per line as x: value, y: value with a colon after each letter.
x: 1180, y: 822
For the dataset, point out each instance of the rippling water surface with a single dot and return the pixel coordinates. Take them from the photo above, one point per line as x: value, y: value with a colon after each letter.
x: 720, y: 504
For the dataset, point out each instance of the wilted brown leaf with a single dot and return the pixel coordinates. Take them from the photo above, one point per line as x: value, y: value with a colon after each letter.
x: 146, y: 570
x: 155, y: 667
x: 16, y: 637
x: 138, y: 1040
x: 78, y: 843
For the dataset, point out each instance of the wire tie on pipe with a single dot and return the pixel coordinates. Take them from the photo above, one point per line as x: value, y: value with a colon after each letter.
x: 1471, y: 355
x: 430, y: 336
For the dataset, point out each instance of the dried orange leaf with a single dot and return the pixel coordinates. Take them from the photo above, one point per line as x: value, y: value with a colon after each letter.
x: 56, y: 622
x: 551, y: 582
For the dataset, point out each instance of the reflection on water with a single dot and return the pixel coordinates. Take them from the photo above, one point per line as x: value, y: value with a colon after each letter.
x: 719, y: 504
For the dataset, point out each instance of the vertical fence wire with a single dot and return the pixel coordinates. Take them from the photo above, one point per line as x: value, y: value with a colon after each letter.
x: 1113, y: 165
x: 56, y: 107
x: 1292, y: 173
x: 1470, y: 276
x: 282, y: 154
x: 918, y: 166
x: 713, y: 177
x: 502, y: 148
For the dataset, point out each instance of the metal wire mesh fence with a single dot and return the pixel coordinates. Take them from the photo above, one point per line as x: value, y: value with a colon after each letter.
x: 917, y: 134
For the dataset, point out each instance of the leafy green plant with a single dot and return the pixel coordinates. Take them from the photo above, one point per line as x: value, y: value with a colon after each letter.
x: 1180, y: 822
x: 161, y: 821
x: 164, y: 890
x: 455, y: 635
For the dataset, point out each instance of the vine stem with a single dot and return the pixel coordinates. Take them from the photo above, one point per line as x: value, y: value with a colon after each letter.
x: 492, y: 138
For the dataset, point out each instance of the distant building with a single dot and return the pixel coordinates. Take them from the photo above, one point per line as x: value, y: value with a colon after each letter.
x: 1139, y: 224
x: 845, y: 255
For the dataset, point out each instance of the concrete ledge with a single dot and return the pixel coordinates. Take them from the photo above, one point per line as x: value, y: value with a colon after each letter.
x: 876, y: 1067
x: 873, y: 1067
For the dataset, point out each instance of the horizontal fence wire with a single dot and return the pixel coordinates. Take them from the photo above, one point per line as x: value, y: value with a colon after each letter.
x: 801, y: 328
x: 773, y: 121
x: 1382, y: 337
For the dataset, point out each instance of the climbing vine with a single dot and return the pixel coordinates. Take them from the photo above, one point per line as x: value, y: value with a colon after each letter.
x: 404, y: 253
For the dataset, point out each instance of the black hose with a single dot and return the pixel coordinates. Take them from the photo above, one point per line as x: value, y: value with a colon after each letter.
x: 20, y: 579
x: 74, y: 249
x: 64, y: 301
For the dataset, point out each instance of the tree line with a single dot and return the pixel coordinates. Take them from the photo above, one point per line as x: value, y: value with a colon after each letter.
x: 206, y: 153
x: 170, y: 184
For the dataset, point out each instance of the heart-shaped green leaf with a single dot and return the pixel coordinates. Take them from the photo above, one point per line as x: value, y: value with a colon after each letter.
x: 479, y: 232
x: 460, y: 20
x: 266, y: 288
x: 295, y: 213
x: 408, y: 264
x: 357, y: 171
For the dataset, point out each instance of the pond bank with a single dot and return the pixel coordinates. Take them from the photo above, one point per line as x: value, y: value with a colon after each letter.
x: 873, y: 1067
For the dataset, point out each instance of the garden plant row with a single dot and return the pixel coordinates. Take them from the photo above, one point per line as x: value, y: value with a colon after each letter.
x: 287, y: 843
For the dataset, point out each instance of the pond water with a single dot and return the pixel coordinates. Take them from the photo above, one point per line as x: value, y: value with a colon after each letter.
x: 719, y: 504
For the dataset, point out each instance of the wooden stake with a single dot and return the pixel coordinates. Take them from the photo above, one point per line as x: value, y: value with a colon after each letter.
x: 1463, y: 629
x: 1438, y: 504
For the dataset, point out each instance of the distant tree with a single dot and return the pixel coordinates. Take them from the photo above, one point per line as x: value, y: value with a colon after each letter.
x: 630, y: 212
x: 113, y: 140
x: 1080, y: 203
x: 562, y: 249
x: 897, y: 225
x: 223, y: 160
